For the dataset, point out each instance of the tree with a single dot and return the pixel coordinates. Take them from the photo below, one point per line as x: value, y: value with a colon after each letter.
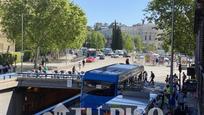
x: 159, y: 11
x: 138, y: 42
x: 96, y: 40
x: 128, y: 42
x: 97, y: 26
x: 47, y: 23
x: 165, y: 43
x: 117, y: 41
x: 150, y: 47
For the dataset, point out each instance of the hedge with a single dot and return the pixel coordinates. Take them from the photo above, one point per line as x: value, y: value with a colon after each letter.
x: 27, y: 55
x: 17, y: 55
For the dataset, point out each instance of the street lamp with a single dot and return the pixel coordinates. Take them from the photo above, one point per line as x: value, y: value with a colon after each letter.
x: 22, y: 42
x: 172, y: 51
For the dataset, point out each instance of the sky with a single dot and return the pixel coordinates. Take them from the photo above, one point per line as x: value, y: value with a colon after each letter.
x: 127, y: 12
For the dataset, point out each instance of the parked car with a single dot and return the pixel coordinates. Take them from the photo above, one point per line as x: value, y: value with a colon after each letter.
x: 90, y: 59
x: 115, y: 56
x: 110, y: 54
x: 190, y: 85
x: 102, y: 56
x: 107, y: 51
x: 126, y: 54
x: 119, y: 52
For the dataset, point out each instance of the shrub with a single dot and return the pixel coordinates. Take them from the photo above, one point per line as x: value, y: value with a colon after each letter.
x: 7, y: 58
x: 17, y: 56
x: 27, y: 55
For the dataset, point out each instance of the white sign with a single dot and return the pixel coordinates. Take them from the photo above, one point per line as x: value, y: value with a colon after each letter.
x: 69, y: 83
x: 98, y: 86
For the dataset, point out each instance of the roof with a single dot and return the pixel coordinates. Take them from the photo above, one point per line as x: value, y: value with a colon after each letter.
x: 112, y: 72
x: 121, y: 101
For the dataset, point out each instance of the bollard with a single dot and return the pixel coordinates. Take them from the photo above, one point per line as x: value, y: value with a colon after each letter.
x: 9, y: 76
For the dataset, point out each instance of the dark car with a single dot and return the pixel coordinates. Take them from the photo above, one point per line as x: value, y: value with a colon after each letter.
x: 101, y: 56
x: 126, y: 55
x: 190, y: 85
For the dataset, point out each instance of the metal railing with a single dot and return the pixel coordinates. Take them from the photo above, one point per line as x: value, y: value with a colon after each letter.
x: 7, y: 76
x: 51, y: 75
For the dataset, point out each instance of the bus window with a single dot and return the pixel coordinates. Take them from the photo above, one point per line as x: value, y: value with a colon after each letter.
x: 99, y: 88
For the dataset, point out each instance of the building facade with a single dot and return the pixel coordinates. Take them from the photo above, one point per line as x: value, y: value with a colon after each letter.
x: 148, y: 32
x: 199, y: 62
x: 5, y: 44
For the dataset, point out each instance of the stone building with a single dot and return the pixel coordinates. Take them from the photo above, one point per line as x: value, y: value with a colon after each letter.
x: 148, y: 32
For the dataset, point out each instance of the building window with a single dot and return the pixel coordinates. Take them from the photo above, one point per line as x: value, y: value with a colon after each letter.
x: 150, y: 37
x: 145, y: 38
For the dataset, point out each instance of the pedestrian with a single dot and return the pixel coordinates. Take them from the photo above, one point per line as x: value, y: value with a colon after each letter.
x: 140, y: 77
x: 127, y: 61
x: 40, y: 68
x: 175, y: 76
x: 145, y: 76
x: 83, y: 63
x: 152, y: 78
x: 167, y: 79
x: 157, y: 60
x: 79, y: 66
x: 184, y: 78
x: 45, y: 69
x: 172, y: 100
x: 73, y: 70
x: 167, y: 91
x: 43, y: 61
x: 180, y: 100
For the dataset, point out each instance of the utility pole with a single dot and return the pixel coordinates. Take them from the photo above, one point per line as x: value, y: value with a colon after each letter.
x: 172, y: 52
x: 172, y: 46
x: 22, y: 43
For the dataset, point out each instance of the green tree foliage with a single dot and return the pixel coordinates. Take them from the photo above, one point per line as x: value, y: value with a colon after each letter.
x: 165, y: 44
x: 117, y: 41
x: 7, y: 59
x: 138, y: 43
x: 150, y: 47
x: 128, y: 42
x: 159, y: 11
x: 48, y: 24
x: 96, y: 40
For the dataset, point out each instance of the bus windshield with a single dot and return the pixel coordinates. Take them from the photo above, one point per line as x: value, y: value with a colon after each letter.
x: 91, y: 53
x: 99, y: 88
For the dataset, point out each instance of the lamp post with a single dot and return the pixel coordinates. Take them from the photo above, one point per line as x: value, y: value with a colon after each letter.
x: 22, y: 43
x: 172, y: 52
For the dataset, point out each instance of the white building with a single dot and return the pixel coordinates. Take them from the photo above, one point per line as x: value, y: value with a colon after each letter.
x: 148, y: 32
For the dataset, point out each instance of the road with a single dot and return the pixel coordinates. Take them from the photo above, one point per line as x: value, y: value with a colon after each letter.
x: 160, y: 71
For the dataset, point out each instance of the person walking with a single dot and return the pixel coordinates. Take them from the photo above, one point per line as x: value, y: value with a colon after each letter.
x: 152, y: 78
x: 145, y: 76
x: 167, y: 79
x: 127, y: 61
x: 140, y: 77
x: 79, y: 66
x: 184, y: 78
x: 83, y: 63
x: 73, y: 70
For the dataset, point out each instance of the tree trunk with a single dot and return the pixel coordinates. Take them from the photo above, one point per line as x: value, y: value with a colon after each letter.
x: 37, y: 50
